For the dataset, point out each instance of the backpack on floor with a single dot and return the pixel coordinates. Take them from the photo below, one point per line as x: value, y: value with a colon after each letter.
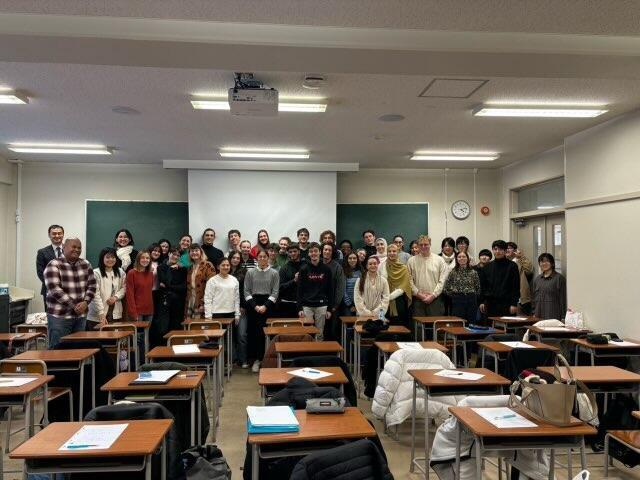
x: 205, y: 462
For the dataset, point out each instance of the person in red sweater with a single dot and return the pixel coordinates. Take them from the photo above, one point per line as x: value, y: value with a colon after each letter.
x: 140, y: 289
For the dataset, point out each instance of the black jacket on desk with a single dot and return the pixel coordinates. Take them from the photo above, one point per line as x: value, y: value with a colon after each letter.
x: 359, y: 460
x: 500, y: 283
x: 288, y: 285
x: 213, y: 254
x: 315, y: 286
x: 45, y: 255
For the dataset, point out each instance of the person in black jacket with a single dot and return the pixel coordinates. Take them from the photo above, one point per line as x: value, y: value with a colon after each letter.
x: 48, y: 253
x: 172, y: 279
x: 214, y: 255
x: 123, y: 243
x: 288, y: 298
x: 499, y: 284
x: 315, y: 289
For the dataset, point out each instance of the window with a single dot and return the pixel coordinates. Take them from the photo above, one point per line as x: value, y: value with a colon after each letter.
x: 557, y: 247
x: 542, y: 196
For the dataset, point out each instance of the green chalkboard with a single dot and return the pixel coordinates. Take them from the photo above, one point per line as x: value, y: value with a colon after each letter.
x: 147, y: 221
x: 407, y: 219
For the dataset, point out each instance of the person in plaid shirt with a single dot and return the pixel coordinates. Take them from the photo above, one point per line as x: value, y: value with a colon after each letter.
x: 70, y: 288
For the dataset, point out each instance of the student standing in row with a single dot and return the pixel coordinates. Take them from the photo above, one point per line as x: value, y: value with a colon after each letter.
x: 403, y: 257
x: 414, y: 248
x: 172, y: 279
x: 240, y: 332
x: 346, y: 247
x: 262, y: 243
x: 123, y: 243
x: 303, y: 242
x: 156, y: 255
x: 140, y: 288
x: 106, y: 305
x: 462, y: 245
x: 261, y: 293
x: 283, y: 256
x: 328, y: 236
x: 248, y: 262
x: 234, y: 237
x: 214, y: 255
x: 165, y: 247
x: 369, y: 239
x: 463, y: 287
x: 549, y: 290
x: 371, y: 293
x: 315, y: 290
x: 331, y: 327
x: 48, y: 253
x: 288, y: 296
x: 500, y: 284
x: 484, y: 257
x: 400, y: 295
x: 222, y: 294
x: 352, y: 272
x: 525, y: 271
x: 428, y: 273
x: 381, y: 251
x: 185, y: 243
x: 198, y: 275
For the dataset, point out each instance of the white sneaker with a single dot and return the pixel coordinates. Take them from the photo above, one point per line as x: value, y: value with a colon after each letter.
x: 245, y: 365
x: 256, y: 367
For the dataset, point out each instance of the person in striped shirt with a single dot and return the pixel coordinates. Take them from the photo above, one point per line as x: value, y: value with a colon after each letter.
x: 71, y: 287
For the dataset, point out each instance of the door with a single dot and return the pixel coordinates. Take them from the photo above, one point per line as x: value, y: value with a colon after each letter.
x: 543, y: 234
x: 556, y: 241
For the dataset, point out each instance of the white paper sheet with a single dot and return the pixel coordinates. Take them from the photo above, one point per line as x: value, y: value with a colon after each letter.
x: 178, y: 349
x: 155, y: 376
x: 624, y: 343
x: 271, y: 416
x: 310, y: 373
x: 513, y: 318
x: 503, y: 417
x: 517, y: 345
x: 15, y: 381
x: 94, y: 437
x: 459, y: 375
x: 555, y: 329
x: 409, y: 345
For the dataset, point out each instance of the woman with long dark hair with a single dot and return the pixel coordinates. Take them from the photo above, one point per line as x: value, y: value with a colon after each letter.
x: 240, y: 332
x: 352, y: 272
x: 371, y: 292
x: 198, y: 275
x: 106, y: 305
x: 463, y: 288
x: 262, y: 243
x: 123, y: 243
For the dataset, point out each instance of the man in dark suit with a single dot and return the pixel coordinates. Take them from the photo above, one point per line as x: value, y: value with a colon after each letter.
x: 48, y: 253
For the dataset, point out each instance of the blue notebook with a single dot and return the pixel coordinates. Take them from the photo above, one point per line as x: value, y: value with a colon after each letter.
x: 271, y: 420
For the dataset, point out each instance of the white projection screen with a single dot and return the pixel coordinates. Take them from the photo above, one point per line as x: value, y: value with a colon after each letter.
x: 280, y: 202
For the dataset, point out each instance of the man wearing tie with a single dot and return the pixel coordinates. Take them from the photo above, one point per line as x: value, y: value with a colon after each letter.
x: 48, y: 253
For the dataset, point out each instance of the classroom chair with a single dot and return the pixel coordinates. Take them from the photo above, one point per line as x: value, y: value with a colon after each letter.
x: 123, y: 327
x: 497, y: 337
x: 520, y: 359
x: 205, y: 325
x: 287, y: 323
x: 320, y: 361
x: 270, y: 359
x: 26, y: 367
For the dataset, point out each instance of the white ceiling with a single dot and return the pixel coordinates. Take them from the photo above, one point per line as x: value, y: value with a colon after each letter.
x: 74, y: 75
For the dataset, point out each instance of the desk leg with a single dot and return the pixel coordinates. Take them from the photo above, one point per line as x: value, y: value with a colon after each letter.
x: 478, y: 459
x: 93, y: 383
x: 378, y: 366
x: 214, y: 399
x: 583, y: 454
x: 577, y: 355
x: 229, y: 334
x: 255, y: 462
x: 426, y: 432
x: 193, y: 417
x: 28, y: 418
x: 45, y: 405
x: 146, y: 341
x: 110, y: 398
x: 198, y: 419
x: 552, y: 464
x: 163, y: 459
x: 464, y: 354
x: 279, y: 360
x: 357, y: 361
x: 118, y: 358
x: 413, y: 428
x: 81, y: 399
x: 458, y: 439
x: 343, y: 331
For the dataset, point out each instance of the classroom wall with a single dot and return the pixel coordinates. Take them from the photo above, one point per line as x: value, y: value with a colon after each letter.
x: 602, y: 162
x: 7, y: 221
x: 438, y: 187
x: 56, y: 193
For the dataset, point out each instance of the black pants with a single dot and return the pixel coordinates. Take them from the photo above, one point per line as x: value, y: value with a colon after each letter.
x: 403, y: 316
x: 288, y: 310
x: 496, y: 307
x: 257, y: 321
x: 464, y: 306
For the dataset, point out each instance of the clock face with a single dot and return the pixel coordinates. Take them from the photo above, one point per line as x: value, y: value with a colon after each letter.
x: 461, y: 209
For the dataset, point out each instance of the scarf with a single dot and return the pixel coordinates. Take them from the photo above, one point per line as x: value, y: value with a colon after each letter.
x: 124, y: 254
x: 449, y: 259
x: 398, y: 277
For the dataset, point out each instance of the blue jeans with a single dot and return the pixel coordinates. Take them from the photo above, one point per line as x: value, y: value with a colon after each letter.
x: 240, y: 340
x: 60, y: 326
x: 140, y: 339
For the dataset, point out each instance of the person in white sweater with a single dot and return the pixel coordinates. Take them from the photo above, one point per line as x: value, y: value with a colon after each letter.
x: 222, y: 294
x: 106, y: 305
x: 428, y: 273
x: 371, y: 292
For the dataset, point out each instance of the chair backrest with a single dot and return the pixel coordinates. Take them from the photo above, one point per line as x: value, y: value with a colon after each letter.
x: 287, y: 323
x: 186, y: 339
x: 520, y: 359
x: 438, y: 325
x: 119, y: 327
x: 23, y: 366
x: 270, y: 357
x: 204, y: 325
x: 320, y: 361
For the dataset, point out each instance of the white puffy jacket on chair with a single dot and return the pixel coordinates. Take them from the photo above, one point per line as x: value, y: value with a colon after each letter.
x: 543, y: 323
x: 393, y: 399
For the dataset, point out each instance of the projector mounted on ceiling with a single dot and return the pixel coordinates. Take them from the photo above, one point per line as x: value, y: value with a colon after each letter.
x: 250, y: 97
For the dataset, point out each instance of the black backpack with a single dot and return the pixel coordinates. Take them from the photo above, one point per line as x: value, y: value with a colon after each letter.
x: 205, y: 462
x: 618, y: 417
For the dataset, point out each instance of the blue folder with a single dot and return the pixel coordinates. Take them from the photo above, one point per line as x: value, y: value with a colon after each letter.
x: 272, y: 429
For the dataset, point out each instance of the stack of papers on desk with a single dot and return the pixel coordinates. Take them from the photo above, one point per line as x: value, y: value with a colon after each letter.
x: 513, y: 318
x: 155, y: 377
x: 459, y: 375
x: 94, y: 437
x: 556, y: 329
x: 517, y: 345
x: 178, y: 349
x: 271, y: 420
x: 16, y: 381
x: 409, y: 345
x: 309, y: 373
x: 503, y: 417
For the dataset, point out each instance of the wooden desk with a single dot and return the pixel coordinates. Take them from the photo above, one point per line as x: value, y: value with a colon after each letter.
x: 227, y: 326
x: 464, y: 335
x: 513, y: 324
x: 132, y: 451
x: 603, y: 378
x: 274, y: 379
x: 499, y: 349
x: 205, y: 358
x: 351, y: 424
x: 608, y: 350
x: 556, y: 333
x: 68, y: 360
x: 270, y: 332
x: 358, y: 333
x: 212, y: 333
x: 433, y: 385
x: 24, y: 339
x: 490, y: 438
x: 306, y: 321
x: 107, y: 337
x: 433, y: 322
x: 34, y: 328
x: 144, y: 326
x: 306, y: 348
x: 185, y: 386
x: 346, y: 322
x: 385, y: 349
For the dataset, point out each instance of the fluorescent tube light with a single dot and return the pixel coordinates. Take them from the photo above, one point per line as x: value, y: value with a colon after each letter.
x: 11, y: 97
x: 283, y: 106
x: 69, y: 149
x: 264, y: 153
x: 545, y: 207
x: 546, y: 111
x: 455, y: 156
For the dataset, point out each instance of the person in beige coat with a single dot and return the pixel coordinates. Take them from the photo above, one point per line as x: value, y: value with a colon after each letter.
x: 525, y: 269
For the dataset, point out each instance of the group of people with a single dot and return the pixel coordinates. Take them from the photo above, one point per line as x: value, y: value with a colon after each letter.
x: 320, y: 280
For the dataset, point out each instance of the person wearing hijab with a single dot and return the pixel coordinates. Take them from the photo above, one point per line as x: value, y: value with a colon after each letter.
x: 381, y: 251
x: 399, y: 281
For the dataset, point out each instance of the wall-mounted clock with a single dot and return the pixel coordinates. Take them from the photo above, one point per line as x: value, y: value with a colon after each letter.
x: 460, y: 209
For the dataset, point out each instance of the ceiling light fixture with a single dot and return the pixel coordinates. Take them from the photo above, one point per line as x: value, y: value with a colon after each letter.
x: 11, y: 97
x: 283, y: 153
x: 539, y: 111
x: 218, y: 103
x: 60, y: 148
x: 455, y: 156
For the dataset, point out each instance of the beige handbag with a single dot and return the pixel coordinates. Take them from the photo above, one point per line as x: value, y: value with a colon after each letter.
x: 552, y: 403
